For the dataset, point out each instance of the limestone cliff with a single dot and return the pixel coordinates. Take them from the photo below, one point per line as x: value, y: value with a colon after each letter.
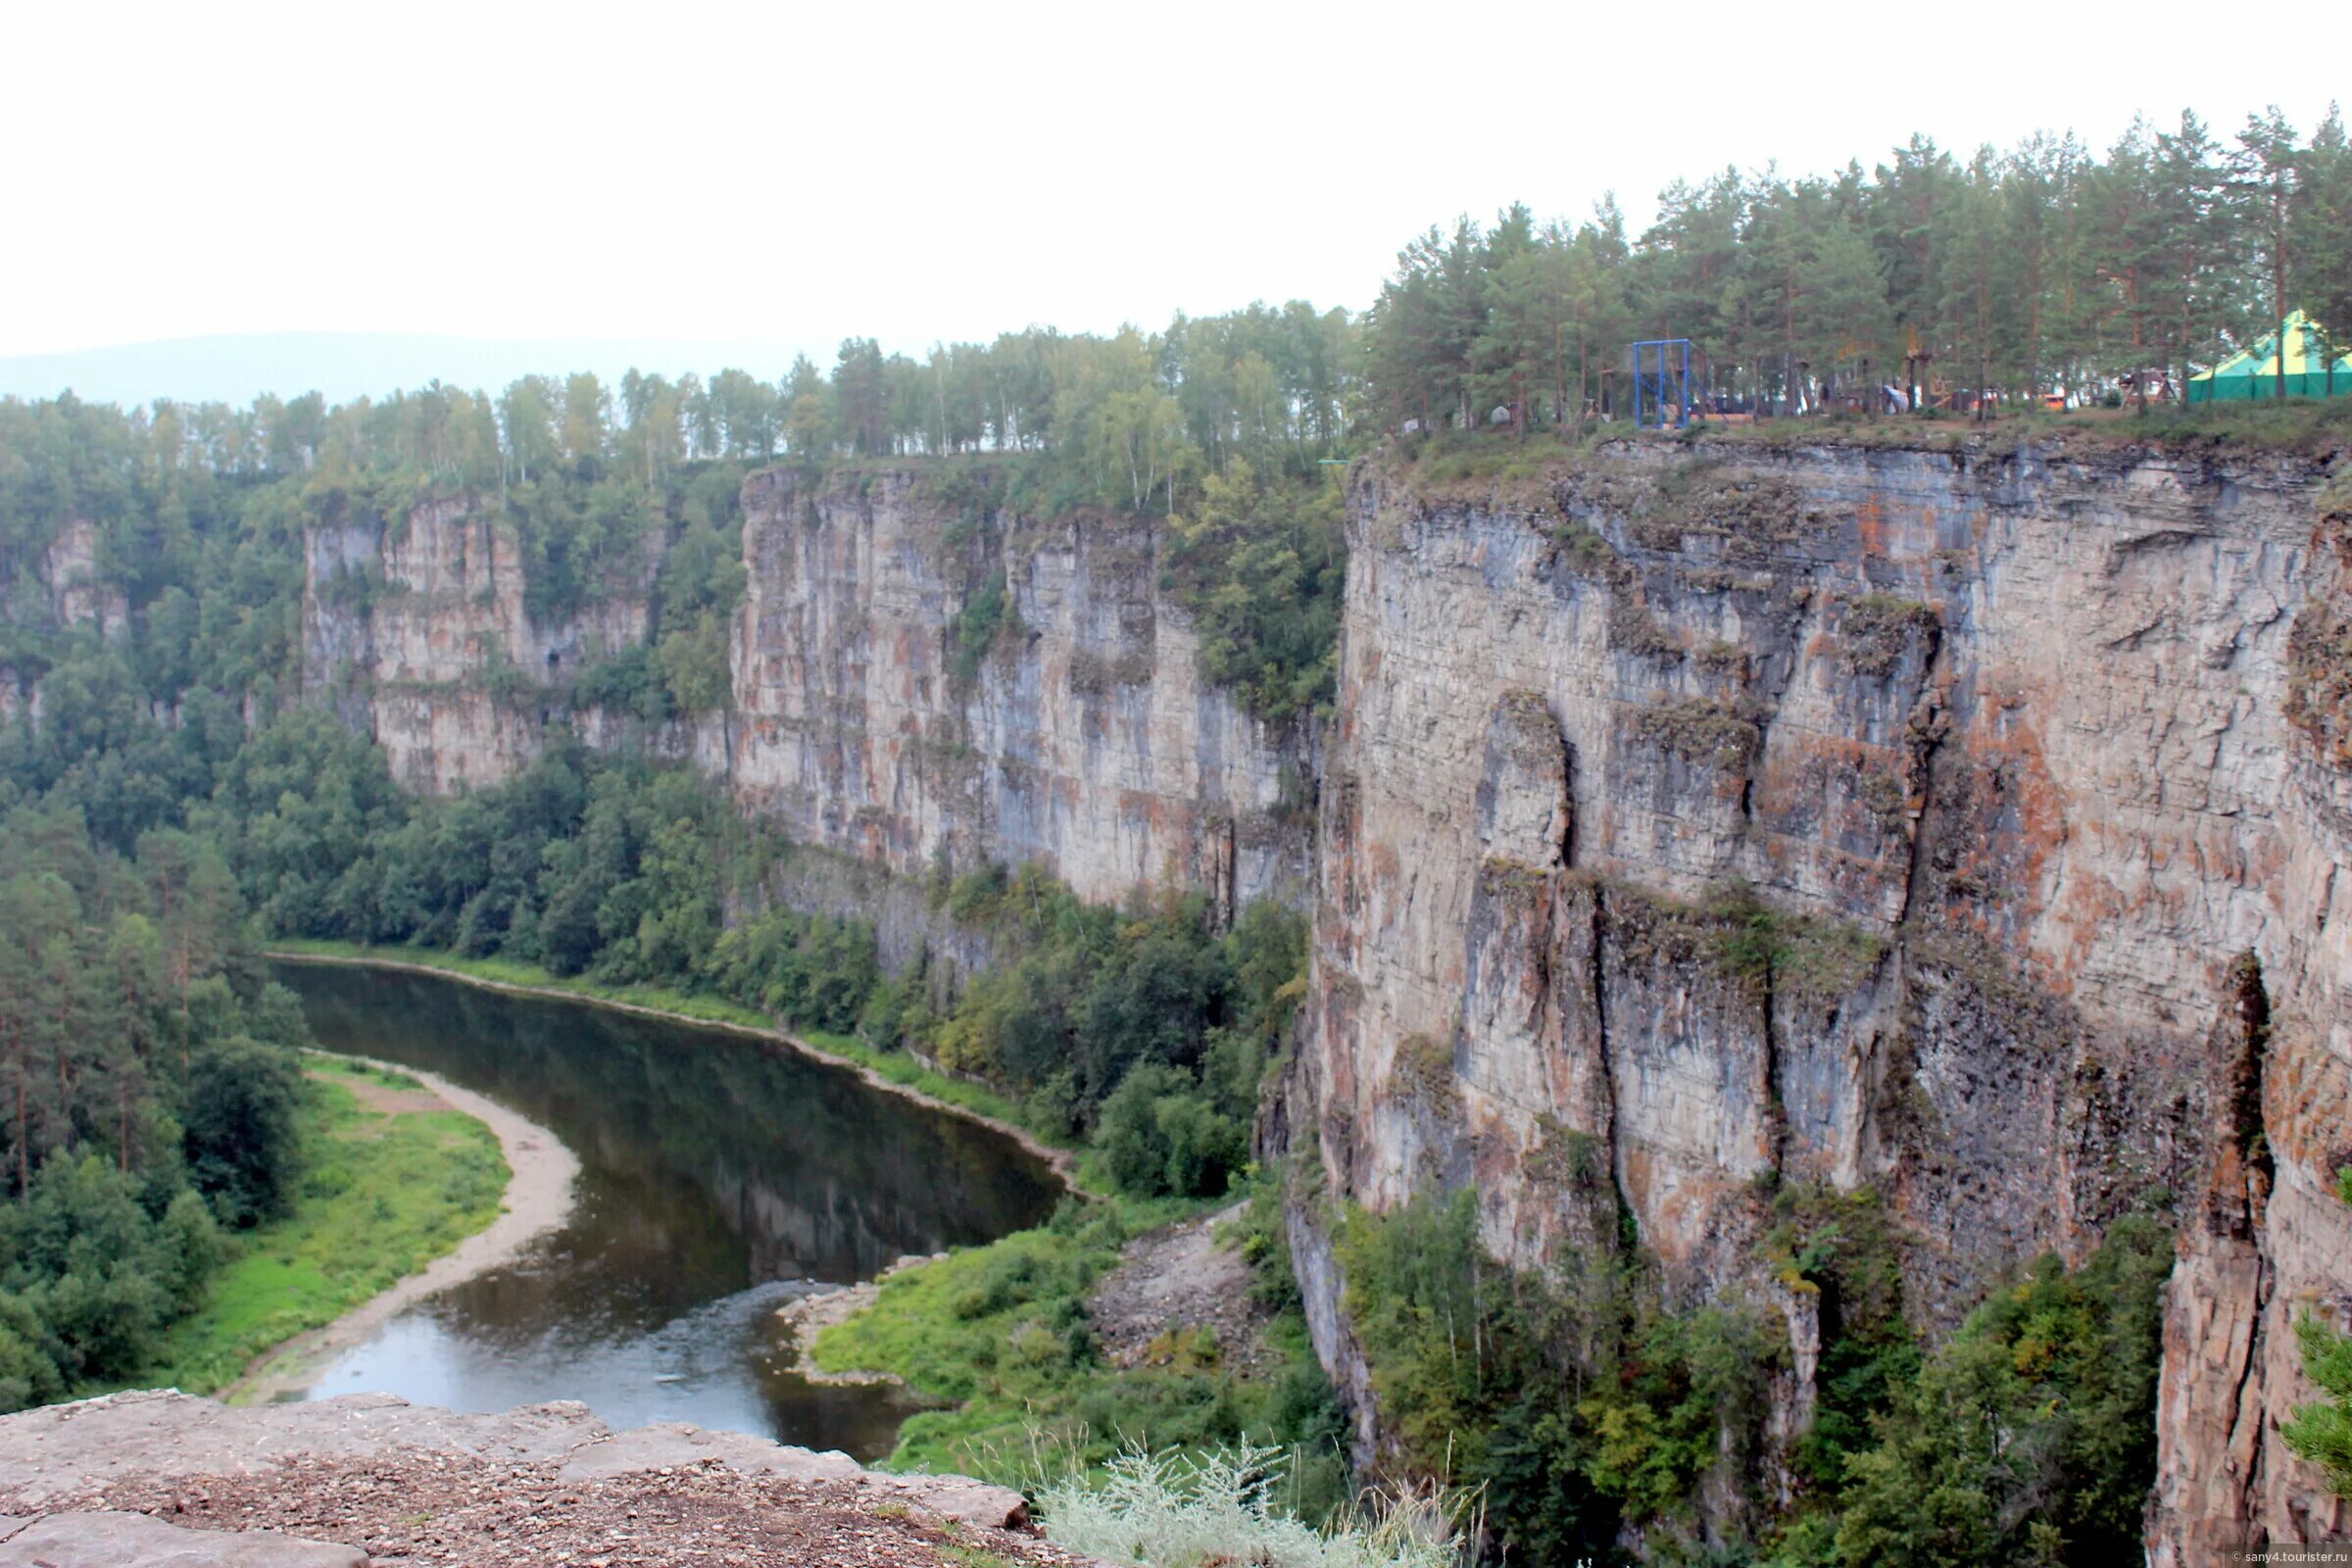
x: 1081, y: 735
x: 78, y: 591
x: 419, y: 628
x: 1998, y: 740
x: 67, y: 586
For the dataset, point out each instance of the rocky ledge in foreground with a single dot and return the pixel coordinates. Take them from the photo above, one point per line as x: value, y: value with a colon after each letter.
x: 164, y: 1478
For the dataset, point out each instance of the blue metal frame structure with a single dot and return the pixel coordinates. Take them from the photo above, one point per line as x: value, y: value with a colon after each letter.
x: 1652, y: 387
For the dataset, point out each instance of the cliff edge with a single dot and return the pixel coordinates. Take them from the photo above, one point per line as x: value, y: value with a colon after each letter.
x: 163, y: 1477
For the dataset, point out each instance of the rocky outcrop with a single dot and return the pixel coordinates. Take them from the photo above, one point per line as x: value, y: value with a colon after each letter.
x: 1078, y: 732
x: 161, y: 1477
x: 78, y: 593
x: 419, y: 630
x: 873, y: 717
x: 110, y: 1539
x: 1895, y: 817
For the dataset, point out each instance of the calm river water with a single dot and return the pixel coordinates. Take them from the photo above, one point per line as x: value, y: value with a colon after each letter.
x: 720, y: 1176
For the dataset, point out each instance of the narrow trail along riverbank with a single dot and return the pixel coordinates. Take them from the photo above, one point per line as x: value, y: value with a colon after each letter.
x: 538, y: 1198
x: 1063, y: 1163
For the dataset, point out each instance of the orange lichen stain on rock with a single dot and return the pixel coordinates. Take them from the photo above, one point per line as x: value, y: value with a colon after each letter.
x: 1870, y: 523
x: 2305, y: 1089
x: 906, y: 648
x: 1137, y: 806
x: 1638, y: 1171
x: 1172, y: 818
x: 2040, y: 809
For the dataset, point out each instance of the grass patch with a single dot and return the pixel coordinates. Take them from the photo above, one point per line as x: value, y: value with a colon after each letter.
x: 1876, y: 630
x: 700, y: 1008
x: 380, y: 1196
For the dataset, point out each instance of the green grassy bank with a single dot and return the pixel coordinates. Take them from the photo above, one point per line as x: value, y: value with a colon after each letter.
x: 999, y: 1336
x: 385, y: 1189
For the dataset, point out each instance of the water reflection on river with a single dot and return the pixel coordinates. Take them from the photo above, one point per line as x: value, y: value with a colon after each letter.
x: 720, y: 1177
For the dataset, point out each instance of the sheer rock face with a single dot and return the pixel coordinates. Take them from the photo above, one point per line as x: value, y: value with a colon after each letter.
x: 1080, y: 735
x: 75, y: 590
x: 419, y: 631
x: 2002, y: 740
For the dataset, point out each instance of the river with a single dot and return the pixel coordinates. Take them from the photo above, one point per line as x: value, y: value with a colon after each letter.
x: 720, y: 1176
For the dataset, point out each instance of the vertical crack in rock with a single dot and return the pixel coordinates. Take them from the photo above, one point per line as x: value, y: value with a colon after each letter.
x: 1924, y: 732
x: 1604, y: 1051
x: 2252, y: 1141
x: 2213, y: 1413
x: 1776, y: 1105
x: 2248, y: 1069
x: 1568, y: 806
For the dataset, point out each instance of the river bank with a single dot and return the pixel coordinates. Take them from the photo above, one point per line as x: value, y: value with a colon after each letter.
x: 538, y: 1198
x: 892, y: 1074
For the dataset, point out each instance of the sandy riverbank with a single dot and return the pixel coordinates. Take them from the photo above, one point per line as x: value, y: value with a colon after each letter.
x: 537, y: 1199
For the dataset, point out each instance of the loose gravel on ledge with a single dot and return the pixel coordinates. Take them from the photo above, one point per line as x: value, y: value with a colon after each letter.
x: 369, y: 1477
x: 451, y: 1512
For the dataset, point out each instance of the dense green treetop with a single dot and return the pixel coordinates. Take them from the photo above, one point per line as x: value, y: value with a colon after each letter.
x: 2043, y: 268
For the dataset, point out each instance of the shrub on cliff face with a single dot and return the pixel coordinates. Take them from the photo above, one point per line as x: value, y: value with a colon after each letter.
x: 986, y: 616
x: 1259, y: 560
x: 1876, y: 630
x: 1575, y: 1401
x: 2031, y: 1435
x: 2321, y: 1430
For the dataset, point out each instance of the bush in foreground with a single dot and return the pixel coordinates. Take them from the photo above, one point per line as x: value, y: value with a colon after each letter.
x: 1169, y: 1510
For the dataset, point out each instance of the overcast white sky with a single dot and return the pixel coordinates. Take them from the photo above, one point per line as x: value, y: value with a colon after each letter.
x: 914, y: 173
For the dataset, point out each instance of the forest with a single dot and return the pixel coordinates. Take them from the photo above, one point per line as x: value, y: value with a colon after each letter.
x: 172, y: 801
x: 2046, y: 269
x: 151, y: 1087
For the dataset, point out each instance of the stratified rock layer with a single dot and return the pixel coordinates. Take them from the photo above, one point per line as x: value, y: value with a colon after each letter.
x: 1998, y: 743
x: 419, y: 629
x: 1080, y: 735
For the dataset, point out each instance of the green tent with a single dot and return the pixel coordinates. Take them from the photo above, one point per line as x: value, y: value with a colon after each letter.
x: 2254, y: 372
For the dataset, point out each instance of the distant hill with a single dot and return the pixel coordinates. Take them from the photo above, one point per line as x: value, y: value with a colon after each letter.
x: 236, y: 367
